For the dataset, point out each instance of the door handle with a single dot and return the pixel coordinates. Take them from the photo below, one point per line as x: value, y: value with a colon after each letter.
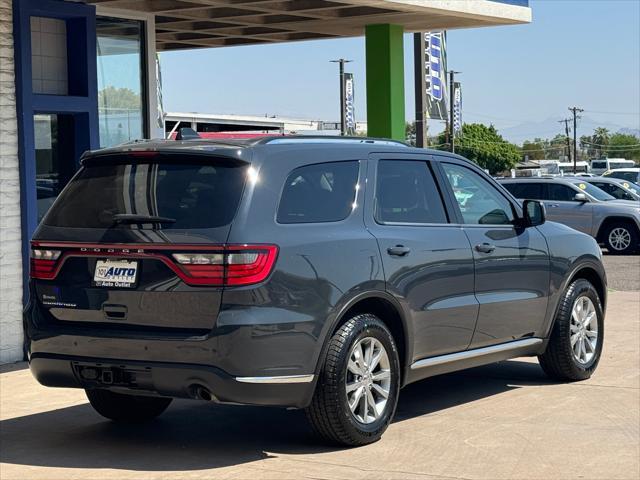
x: 485, y: 248
x: 398, y: 251
x: 553, y: 205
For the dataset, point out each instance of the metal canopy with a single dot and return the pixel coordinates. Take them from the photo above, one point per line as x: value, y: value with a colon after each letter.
x: 184, y: 24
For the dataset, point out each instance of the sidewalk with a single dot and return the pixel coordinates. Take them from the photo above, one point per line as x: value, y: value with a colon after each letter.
x: 495, y: 422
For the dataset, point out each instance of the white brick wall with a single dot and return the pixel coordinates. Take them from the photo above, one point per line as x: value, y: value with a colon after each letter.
x: 11, y: 334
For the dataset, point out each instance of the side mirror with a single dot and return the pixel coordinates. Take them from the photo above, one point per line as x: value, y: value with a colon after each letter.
x: 534, y: 213
x: 580, y: 197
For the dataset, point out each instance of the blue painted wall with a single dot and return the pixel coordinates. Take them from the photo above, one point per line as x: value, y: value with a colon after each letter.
x: 82, y: 101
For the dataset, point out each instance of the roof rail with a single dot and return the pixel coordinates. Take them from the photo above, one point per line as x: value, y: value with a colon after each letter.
x: 331, y: 139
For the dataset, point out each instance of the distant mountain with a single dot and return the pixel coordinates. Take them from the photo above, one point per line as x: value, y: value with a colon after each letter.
x: 630, y: 131
x: 550, y: 127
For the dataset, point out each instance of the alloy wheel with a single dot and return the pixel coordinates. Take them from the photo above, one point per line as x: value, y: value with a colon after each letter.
x: 368, y: 380
x: 620, y: 238
x: 584, y: 330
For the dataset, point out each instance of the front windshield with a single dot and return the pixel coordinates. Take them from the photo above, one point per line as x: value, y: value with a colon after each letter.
x: 631, y: 186
x: 594, y: 191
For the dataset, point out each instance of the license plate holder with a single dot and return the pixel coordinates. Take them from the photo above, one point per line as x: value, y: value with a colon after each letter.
x: 115, y: 273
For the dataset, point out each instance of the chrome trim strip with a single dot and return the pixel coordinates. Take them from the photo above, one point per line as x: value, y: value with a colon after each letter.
x: 478, y: 352
x: 281, y: 379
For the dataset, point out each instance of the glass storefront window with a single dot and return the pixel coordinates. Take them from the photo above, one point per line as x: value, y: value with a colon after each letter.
x: 121, y: 75
x: 54, y: 158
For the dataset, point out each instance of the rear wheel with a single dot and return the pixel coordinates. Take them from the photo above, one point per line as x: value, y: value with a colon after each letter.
x: 124, y: 408
x: 576, y: 340
x: 621, y: 238
x: 357, y: 391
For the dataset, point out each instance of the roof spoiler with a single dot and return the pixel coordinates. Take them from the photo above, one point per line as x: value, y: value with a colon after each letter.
x: 187, y: 133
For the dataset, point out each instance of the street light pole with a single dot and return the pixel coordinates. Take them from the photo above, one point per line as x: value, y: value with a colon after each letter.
x: 343, y: 113
x: 451, y: 100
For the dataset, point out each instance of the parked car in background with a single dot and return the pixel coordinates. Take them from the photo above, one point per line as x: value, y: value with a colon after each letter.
x: 579, y: 204
x: 602, y: 165
x: 316, y: 273
x: 617, y: 188
x: 628, y: 174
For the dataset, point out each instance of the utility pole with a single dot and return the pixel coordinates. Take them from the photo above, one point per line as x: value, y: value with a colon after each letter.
x: 575, y: 111
x: 451, y: 98
x: 566, y: 132
x: 343, y: 112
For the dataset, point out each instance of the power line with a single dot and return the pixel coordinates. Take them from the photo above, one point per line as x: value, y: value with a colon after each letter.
x: 605, y: 145
x: 612, y: 113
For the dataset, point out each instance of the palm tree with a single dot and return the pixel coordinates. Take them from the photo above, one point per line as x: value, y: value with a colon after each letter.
x: 600, y: 138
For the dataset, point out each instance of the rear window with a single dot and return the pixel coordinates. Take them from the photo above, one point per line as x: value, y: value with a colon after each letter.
x: 193, y: 195
x: 324, y: 192
x: 598, y: 164
x: 628, y: 176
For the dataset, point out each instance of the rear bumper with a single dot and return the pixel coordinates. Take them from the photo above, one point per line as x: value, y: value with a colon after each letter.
x: 171, y: 379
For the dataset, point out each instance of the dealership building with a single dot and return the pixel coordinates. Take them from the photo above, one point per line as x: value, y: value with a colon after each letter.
x: 80, y: 75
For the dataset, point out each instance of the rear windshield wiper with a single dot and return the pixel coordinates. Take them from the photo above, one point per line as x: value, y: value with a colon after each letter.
x: 141, y: 219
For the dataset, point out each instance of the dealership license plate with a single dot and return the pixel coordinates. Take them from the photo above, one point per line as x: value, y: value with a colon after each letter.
x: 115, y: 273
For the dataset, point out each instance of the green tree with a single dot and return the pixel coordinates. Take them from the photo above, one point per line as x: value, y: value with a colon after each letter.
x: 623, y: 145
x: 118, y: 98
x: 410, y: 132
x: 594, y: 145
x: 557, y: 147
x: 484, y: 146
x: 534, y: 150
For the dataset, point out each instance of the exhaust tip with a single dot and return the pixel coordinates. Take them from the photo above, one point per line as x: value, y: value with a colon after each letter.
x: 201, y: 393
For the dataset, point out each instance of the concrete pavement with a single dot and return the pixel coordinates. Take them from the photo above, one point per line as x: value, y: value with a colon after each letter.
x: 501, y: 421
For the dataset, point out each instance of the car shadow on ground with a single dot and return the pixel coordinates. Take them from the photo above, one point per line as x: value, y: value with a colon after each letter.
x: 196, y: 435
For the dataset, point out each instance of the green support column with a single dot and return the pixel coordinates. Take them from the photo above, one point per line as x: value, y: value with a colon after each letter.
x: 385, y: 81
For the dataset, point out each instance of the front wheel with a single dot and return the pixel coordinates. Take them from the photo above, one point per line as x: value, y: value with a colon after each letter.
x: 576, y: 340
x: 357, y: 390
x: 120, y: 407
x: 621, y: 239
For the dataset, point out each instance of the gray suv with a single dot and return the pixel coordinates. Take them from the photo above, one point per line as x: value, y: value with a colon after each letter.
x: 314, y: 273
x: 578, y: 203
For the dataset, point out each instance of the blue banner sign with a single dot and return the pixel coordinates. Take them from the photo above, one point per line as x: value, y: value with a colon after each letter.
x: 435, y: 72
x: 350, y: 114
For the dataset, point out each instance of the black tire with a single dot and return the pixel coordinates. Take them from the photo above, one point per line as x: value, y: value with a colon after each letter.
x: 124, y: 408
x: 629, y: 230
x: 329, y: 412
x: 558, y: 360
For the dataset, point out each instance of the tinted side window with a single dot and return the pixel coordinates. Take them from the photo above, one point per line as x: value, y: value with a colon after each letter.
x: 479, y: 201
x: 560, y: 193
x: 525, y: 190
x: 407, y: 193
x: 324, y: 192
x: 607, y: 187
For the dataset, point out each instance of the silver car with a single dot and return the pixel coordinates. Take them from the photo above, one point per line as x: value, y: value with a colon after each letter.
x: 620, y: 189
x: 579, y: 204
x: 629, y: 174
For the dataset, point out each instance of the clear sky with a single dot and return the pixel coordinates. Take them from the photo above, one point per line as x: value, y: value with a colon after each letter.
x: 575, y: 52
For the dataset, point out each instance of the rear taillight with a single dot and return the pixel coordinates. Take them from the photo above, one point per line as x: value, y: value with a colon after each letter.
x: 233, y: 265
x: 216, y: 265
x: 43, y: 263
x: 230, y: 265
